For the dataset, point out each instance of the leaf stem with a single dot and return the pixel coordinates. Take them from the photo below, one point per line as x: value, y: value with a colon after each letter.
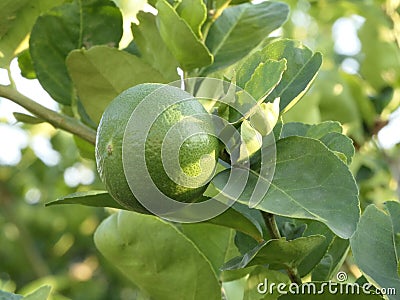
x: 12, y: 82
x: 275, y: 234
x: 54, y: 118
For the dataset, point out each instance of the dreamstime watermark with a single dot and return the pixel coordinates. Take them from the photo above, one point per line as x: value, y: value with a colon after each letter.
x: 329, y: 287
x: 225, y: 95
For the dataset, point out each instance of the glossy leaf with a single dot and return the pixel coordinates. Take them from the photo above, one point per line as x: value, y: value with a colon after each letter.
x: 277, y: 254
x: 302, y: 67
x: 152, y: 48
x: 187, y: 48
x: 90, y: 198
x: 374, y: 237
x: 310, y: 182
x: 65, y: 28
x: 149, y: 250
x: 240, y: 29
x: 101, y: 73
x: 13, y: 31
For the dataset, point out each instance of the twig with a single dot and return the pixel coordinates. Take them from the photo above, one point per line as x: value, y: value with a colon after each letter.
x: 275, y: 234
x: 54, y: 118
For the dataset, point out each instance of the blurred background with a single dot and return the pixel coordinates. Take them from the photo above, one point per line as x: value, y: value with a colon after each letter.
x: 358, y: 85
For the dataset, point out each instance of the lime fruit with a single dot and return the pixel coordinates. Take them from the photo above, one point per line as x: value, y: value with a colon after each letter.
x: 191, y: 154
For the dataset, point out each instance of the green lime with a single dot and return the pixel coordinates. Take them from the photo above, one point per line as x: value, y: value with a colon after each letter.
x: 191, y: 153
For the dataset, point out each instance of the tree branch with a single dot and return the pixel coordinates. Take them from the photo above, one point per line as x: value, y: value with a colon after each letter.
x: 54, y: 118
x: 275, y: 234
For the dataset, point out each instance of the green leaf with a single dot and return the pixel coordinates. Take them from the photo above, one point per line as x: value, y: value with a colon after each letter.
x: 194, y: 12
x: 157, y: 257
x: 232, y: 218
x: 310, y: 182
x: 28, y: 119
x: 41, y: 293
x: 9, y: 296
x: 315, y: 131
x: 393, y: 208
x: 341, y: 144
x: 329, y: 132
x: 277, y: 253
x: 332, y: 261
x: 374, y: 237
x: 152, y: 47
x: 89, y: 198
x: 265, y: 78
x: 258, y: 277
x: 101, y: 73
x: 315, y: 256
x: 13, y: 31
x: 8, y: 13
x: 25, y: 65
x: 326, y: 291
x: 215, y: 242
x: 240, y: 29
x: 187, y: 48
x: 65, y: 28
x: 378, y: 48
x: 86, y: 149
x: 302, y: 67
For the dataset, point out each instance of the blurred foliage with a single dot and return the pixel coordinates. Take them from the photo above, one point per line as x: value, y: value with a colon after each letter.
x: 51, y: 245
x: 360, y: 88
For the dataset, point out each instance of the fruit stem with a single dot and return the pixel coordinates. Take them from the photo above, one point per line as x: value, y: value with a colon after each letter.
x: 54, y: 118
x: 275, y: 234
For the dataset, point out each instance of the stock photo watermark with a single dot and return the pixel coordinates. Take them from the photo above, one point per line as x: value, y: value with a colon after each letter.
x: 341, y: 287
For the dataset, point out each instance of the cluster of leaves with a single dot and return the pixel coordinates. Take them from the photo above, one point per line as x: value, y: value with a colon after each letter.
x: 74, y: 52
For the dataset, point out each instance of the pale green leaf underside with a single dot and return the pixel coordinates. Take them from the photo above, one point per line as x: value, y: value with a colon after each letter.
x: 194, y: 12
x: 187, y: 48
x: 152, y: 48
x: 157, y: 257
x: 101, y: 73
x: 216, y: 242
